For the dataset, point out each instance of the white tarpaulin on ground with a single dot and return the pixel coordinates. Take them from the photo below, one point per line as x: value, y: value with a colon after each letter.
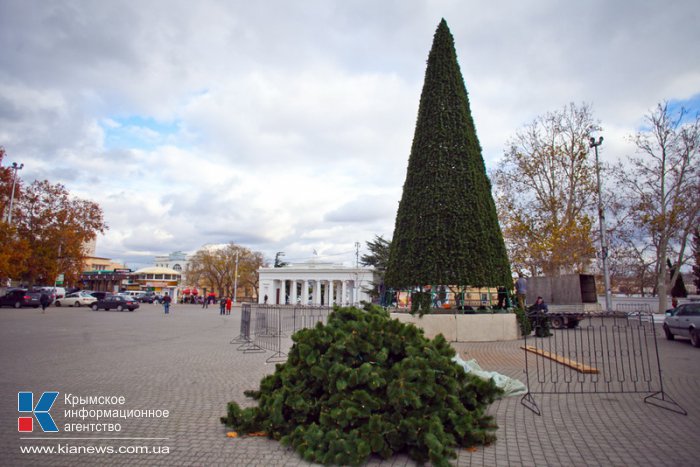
x: 510, y: 386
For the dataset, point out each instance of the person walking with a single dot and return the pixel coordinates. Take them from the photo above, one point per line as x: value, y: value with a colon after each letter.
x: 228, y: 306
x: 166, y: 303
x: 222, y: 305
x: 44, y: 300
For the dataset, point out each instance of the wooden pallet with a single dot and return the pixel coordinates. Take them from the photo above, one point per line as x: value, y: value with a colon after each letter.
x: 580, y: 367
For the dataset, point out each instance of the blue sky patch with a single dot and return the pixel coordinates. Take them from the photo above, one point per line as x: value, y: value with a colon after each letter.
x: 691, y: 105
x: 137, y: 132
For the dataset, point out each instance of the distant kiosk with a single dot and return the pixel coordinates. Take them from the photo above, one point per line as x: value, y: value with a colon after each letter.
x: 315, y: 283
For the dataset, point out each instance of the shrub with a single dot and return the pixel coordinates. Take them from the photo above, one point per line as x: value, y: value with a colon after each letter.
x: 367, y: 384
x: 523, y: 322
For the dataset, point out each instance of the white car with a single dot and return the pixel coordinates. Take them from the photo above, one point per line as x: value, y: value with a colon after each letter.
x: 76, y: 299
x: 684, y: 321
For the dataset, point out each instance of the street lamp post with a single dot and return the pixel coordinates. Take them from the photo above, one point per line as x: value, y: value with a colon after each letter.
x: 235, y: 280
x: 15, y: 167
x: 603, y: 238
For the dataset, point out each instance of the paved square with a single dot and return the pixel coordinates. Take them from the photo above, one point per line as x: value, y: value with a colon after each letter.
x: 184, y: 363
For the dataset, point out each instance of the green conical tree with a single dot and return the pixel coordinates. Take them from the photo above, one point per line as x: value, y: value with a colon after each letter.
x: 446, y: 229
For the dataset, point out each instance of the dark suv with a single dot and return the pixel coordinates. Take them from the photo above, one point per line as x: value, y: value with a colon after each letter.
x: 148, y: 297
x: 17, y: 298
x: 100, y: 295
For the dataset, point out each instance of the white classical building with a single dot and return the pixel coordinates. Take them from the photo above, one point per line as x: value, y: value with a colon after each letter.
x: 176, y: 261
x: 325, y: 284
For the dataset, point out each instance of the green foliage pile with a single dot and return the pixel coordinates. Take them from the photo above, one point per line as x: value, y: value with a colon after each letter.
x: 447, y: 229
x: 366, y: 384
x: 523, y: 322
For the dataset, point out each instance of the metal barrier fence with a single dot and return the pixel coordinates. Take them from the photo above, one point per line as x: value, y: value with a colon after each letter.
x: 273, y: 326
x: 633, y: 308
x: 607, y: 353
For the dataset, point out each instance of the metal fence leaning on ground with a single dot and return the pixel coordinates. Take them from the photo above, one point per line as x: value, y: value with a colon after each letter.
x: 270, y: 327
x: 606, y: 353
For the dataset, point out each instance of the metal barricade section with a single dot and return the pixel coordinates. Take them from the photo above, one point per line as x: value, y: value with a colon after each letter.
x: 607, y: 353
x: 273, y: 326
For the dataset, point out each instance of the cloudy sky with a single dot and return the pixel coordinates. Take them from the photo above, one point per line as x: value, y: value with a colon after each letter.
x: 287, y: 125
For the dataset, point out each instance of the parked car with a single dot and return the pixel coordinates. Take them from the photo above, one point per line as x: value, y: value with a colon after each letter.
x: 76, y: 299
x: 117, y: 302
x: 684, y: 321
x: 34, y: 299
x: 100, y: 295
x: 18, y: 298
x: 57, y: 292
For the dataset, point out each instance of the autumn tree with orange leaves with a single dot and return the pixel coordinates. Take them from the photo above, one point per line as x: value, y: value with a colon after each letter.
x: 48, y: 232
x: 215, y: 267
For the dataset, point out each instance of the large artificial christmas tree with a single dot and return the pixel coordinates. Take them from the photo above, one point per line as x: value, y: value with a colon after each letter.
x: 367, y: 384
x: 447, y: 229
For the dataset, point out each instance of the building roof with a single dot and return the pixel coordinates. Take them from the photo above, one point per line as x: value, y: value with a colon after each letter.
x: 156, y: 270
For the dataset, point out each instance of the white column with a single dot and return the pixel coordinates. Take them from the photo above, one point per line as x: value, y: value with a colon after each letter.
x: 293, y: 294
x: 330, y: 293
x: 317, y: 294
x: 283, y: 291
x: 305, y: 292
x: 343, y: 300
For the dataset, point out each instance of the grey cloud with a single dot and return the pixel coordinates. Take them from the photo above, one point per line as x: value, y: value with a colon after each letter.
x: 364, y: 209
x: 297, y: 102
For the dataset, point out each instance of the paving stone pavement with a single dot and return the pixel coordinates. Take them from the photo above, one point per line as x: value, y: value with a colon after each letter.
x: 185, y: 364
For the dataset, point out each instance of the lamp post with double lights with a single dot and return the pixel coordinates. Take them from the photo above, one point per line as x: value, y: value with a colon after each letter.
x: 601, y: 216
x: 15, y: 167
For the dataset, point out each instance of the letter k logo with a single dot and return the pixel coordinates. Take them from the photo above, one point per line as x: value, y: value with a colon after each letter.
x: 25, y: 403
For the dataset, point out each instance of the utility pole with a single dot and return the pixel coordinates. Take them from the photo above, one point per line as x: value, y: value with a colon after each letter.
x: 603, y: 237
x: 59, y: 274
x: 357, y: 254
x: 15, y: 167
x: 235, y: 280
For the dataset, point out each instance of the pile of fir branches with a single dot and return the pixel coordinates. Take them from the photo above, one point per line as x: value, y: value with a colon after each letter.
x: 367, y: 384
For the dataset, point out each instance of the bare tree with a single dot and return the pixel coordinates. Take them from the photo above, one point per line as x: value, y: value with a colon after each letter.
x: 662, y: 188
x: 545, y: 191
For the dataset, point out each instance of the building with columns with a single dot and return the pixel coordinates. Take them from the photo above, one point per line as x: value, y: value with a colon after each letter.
x: 315, y: 283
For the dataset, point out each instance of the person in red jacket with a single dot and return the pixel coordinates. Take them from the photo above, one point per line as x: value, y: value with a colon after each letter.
x: 228, y: 306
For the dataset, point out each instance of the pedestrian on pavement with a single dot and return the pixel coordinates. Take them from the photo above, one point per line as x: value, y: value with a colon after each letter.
x: 166, y: 303
x: 44, y: 300
x: 205, y: 302
x: 521, y: 290
x: 228, y: 306
x: 222, y: 305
